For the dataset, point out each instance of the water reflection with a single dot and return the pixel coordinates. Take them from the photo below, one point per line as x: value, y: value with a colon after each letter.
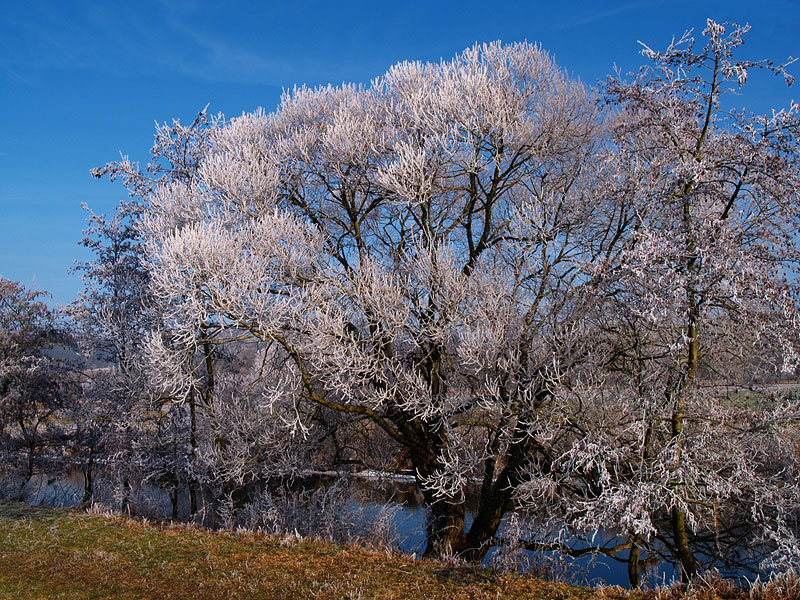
x: 369, y: 501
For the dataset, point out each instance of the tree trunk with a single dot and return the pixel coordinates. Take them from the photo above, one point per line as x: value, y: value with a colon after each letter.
x: 193, y: 446
x: 686, y: 559
x: 445, y: 526
x: 680, y: 537
x: 173, y: 496
x: 634, y: 568
x: 88, y: 481
x: 126, y: 495
x: 496, y: 495
x: 30, y: 466
x: 493, y: 506
x: 445, y: 529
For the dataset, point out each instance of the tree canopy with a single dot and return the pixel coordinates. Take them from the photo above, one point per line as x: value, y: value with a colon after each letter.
x: 540, y: 298
x: 518, y: 279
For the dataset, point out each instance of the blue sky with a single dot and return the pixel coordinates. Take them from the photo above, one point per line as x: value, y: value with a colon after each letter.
x: 81, y: 82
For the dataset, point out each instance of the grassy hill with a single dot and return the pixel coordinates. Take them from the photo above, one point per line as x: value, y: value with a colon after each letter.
x: 63, y: 554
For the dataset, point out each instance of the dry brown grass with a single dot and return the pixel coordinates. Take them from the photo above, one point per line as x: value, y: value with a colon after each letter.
x: 60, y: 554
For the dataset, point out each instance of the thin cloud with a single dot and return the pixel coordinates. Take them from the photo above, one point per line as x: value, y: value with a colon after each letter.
x: 212, y: 58
x: 602, y: 15
x: 97, y: 39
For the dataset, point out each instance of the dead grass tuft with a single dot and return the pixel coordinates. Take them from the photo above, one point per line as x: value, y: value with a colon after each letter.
x: 784, y: 586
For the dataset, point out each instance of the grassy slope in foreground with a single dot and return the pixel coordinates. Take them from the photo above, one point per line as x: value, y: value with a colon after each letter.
x: 49, y: 553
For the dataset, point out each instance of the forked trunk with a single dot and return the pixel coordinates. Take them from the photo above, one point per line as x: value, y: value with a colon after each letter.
x: 445, y: 529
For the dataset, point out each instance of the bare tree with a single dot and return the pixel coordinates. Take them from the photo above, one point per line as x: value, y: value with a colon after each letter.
x: 34, y: 384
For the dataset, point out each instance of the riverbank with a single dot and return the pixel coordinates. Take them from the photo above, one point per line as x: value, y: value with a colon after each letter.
x: 66, y: 554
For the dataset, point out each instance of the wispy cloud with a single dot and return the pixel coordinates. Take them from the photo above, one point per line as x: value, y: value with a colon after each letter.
x: 129, y: 40
x: 585, y: 16
x: 209, y: 57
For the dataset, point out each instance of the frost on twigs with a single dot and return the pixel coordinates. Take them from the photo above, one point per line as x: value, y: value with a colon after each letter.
x: 529, y: 295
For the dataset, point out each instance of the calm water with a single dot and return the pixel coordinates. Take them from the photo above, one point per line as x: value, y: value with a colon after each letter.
x: 408, y: 518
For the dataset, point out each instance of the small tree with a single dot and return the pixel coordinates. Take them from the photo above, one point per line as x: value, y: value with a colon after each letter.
x: 33, y: 384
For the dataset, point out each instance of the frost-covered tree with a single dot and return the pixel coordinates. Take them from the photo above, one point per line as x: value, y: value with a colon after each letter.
x: 420, y: 253
x: 112, y: 318
x: 118, y: 312
x: 112, y: 309
x: 705, y: 296
x: 520, y: 283
x: 715, y: 257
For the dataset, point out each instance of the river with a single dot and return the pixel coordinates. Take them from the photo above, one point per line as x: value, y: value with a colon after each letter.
x: 396, y: 506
